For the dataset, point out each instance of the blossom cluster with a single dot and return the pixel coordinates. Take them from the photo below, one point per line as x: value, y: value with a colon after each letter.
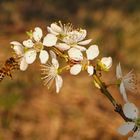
x: 62, y: 40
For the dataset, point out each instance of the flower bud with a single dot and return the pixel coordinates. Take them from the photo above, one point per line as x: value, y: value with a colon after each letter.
x: 105, y: 63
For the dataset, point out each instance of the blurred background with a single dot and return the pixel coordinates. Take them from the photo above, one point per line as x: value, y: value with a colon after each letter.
x: 28, y: 110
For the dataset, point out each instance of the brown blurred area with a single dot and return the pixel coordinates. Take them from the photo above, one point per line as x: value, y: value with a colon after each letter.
x: 28, y: 110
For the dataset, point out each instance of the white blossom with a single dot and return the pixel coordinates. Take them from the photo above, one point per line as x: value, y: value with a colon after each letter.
x: 68, y: 37
x: 83, y: 62
x: 59, y: 29
x: 51, y: 73
x: 127, y: 82
x: 107, y: 62
x: 36, y: 45
x: 75, y: 39
x: 131, y: 112
x: 19, y: 50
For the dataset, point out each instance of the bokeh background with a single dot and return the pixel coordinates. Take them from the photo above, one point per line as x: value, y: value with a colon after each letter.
x: 28, y: 110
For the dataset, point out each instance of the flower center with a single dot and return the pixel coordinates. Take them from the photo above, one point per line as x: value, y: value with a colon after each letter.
x: 85, y: 63
x: 38, y: 46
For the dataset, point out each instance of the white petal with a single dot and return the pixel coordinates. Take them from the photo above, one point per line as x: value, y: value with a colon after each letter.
x: 62, y: 46
x: 18, y: 48
x: 44, y: 56
x: 30, y: 56
x: 58, y: 82
x: 23, y: 64
x: 56, y: 28
x: 53, y: 55
x: 130, y: 110
x: 37, y: 34
x: 80, y: 48
x: 126, y: 128
x: 123, y: 91
x: 15, y: 43
x: 55, y: 63
x: 90, y: 70
x: 28, y: 43
x: 92, y: 52
x: 85, y: 42
x: 82, y: 34
x: 118, y: 71
x: 52, y: 31
x: 50, y: 40
x: 75, y: 54
x: 107, y: 61
x: 75, y: 69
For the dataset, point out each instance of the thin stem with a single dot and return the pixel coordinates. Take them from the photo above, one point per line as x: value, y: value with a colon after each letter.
x: 104, y: 90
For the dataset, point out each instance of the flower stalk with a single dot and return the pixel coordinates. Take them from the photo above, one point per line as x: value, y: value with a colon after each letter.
x: 104, y: 90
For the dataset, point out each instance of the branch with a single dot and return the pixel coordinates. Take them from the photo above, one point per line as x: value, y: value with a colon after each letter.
x: 104, y: 90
